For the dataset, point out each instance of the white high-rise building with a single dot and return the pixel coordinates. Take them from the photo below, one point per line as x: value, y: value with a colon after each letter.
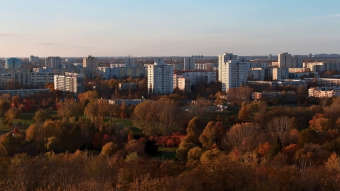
x: 286, y: 60
x: 233, y: 73
x: 222, y: 59
x: 160, y: 78
x: 70, y: 82
x: 89, y: 63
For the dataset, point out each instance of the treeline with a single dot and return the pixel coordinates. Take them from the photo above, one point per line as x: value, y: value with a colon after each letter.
x: 252, y: 145
x: 83, y: 171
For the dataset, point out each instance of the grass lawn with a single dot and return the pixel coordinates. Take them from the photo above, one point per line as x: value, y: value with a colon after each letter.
x: 24, y: 120
x: 166, y: 153
x: 123, y: 124
x: 3, y: 128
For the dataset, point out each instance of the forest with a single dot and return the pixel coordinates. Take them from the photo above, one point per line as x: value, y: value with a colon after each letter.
x: 58, y: 142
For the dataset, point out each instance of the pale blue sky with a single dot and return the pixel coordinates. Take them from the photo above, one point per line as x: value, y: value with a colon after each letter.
x: 168, y: 27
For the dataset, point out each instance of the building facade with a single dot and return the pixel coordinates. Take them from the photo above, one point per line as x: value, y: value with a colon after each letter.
x: 280, y: 73
x: 323, y: 92
x: 53, y: 62
x: 13, y: 63
x: 69, y: 82
x: 222, y: 59
x: 234, y: 73
x: 160, y: 78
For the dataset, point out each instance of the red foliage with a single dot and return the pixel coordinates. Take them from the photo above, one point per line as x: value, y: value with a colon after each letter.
x: 167, y: 141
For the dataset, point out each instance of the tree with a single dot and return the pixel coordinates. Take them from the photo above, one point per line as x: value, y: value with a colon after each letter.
x: 87, y: 97
x: 320, y: 123
x: 194, y: 154
x: 333, y: 163
x: 109, y: 149
x: 194, y: 129
x: 191, y: 139
x: 212, y: 134
x: 32, y: 132
x: 280, y: 127
x: 13, y: 143
x: 41, y: 115
x: 239, y: 132
x: 212, y: 155
x: 11, y: 114
x: 70, y: 108
x: 161, y: 117
x: 248, y: 111
x: 4, y: 106
x: 183, y: 149
x: 239, y: 95
x: 51, y: 144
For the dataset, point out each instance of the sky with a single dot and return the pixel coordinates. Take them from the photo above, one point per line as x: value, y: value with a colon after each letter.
x: 168, y: 27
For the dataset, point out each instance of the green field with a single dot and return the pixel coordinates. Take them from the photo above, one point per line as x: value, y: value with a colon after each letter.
x: 166, y: 153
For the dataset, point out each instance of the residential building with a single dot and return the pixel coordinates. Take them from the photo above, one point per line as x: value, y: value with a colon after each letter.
x: 34, y: 60
x: 193, y: 78
x: 160, y: 78
x: 15, y: 79
x: 233, y: 73
x: 13, y: 63
x: 181, y: 83
x: 280, y: 73
x: 315, y: 66
x: 286, y: 60
x: 24, y: 92
x: 127, y: 86
x: 256, y: 74
x: 324, y: 92
x: 222, y: 59
x: 41, y: 78
x: 188, y: 63
x: 298, y: 70
x: 89, y: 63
x: 121, y: 101
x: 53, y: 62
x: 69, y: 82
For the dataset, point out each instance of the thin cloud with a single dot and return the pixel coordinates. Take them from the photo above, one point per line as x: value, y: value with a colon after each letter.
x: 335, y: 15
x: 53, y: 44
x: 8, y: 34
x: 48, y: 44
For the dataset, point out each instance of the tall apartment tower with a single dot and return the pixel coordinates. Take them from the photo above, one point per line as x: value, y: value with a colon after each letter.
x: 160, y: 78
x: 53, y: 62
x: 89, y: 62
x: 222, y: 59
x: 234, y: 73
x: 286, y: 60
x: 90, y: 66
x: 13, y: 63
x: 188, y: 64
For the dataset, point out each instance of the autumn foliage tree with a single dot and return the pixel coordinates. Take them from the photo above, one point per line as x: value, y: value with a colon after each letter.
x: 162, y: 117
x: 194, y: 130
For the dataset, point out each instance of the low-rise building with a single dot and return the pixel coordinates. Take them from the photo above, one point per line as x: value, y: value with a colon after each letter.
x: 24, y: 92
x: 324, y: 92
x: 121, y: 101
x: 298, y: 70
x: 315, y: 66
x: 127, y: 86
x: 41, y: 79
x: 256, y: 74
x: 186, y: 79
x: 280, y: 73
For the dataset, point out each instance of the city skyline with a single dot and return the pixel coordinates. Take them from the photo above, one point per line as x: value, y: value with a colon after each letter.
x: 168, y: 28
